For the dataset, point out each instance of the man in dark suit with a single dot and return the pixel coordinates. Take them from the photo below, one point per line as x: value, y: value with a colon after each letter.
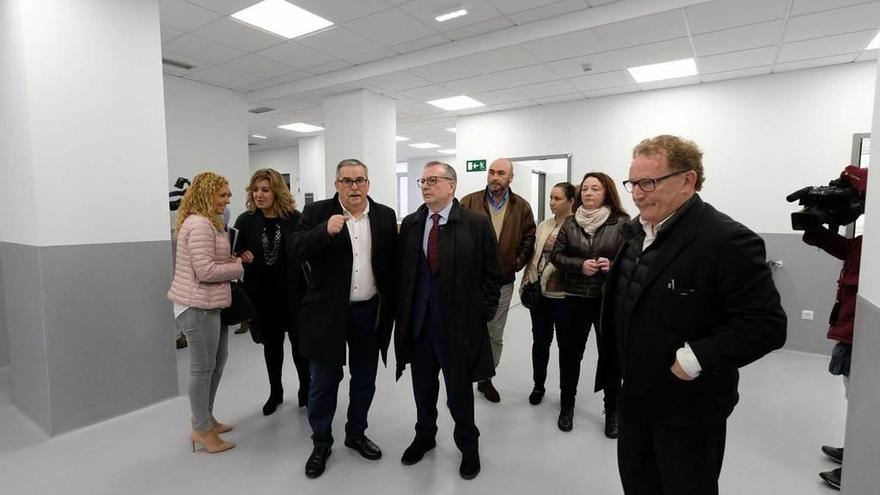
x: 449, y: 281
x: 689, y: 300
x: 346, y: 245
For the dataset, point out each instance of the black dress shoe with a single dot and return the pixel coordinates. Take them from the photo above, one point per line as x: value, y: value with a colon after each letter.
x: 835, y: 453
x: 488, y: 390
x: 832, y: 478
x: 566, y: 419
x: 365, y: 447
x: 416, y: 451
x: 317, y: 462
x: 303, y: 397
x: 272, y: 403
x: 536, y: 396
x: 470, y: 466
x: 610, y: 425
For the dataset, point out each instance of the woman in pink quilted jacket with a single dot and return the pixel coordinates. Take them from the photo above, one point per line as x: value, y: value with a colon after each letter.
x: 200, y: 289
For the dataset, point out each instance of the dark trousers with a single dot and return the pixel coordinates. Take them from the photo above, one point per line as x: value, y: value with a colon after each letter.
x: 428, y: 360
x: 670, y: 457
x: 273, y: 353
x: 363, y: 358
x: 546, y: 316
x: 580, y: 314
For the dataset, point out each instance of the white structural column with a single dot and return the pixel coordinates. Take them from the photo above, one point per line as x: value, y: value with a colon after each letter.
x: 862, y: 446
x: 312, y: 178
x: 361, y: 124
x: 84, y: 243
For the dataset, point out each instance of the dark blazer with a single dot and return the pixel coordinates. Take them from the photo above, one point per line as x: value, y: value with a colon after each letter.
x: 470, y: 285
x: 706, y: 284
x: 250, y: 227
x: 327, y: 271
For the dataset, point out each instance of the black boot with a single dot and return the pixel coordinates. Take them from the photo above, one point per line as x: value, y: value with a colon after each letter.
x: 272, y: 403
x: 566, y: 419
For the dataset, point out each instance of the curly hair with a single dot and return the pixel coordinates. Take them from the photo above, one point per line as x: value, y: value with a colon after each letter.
x: 284, y: 202
x: 681, y: 153
x: 612, y: 199
x: 199, y: 199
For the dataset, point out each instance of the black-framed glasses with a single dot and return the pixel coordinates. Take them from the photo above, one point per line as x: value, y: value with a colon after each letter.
x: 432, y: 180
x: 648, y: 185
x: 359, y: 181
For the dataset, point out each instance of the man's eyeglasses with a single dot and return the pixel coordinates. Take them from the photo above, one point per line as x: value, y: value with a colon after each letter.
x: 360, y: 181
x: 648, y: 185
x: 432, y: 180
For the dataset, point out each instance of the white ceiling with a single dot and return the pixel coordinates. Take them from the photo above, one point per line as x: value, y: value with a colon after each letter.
x: 729, y: 39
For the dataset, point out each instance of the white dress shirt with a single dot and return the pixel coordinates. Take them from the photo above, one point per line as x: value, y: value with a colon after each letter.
x: 363, y: 282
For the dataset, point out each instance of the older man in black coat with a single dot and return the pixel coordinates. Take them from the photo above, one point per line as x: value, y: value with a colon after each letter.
x: 689, y: 300
x: 449, y: 281
x: 345, y: 245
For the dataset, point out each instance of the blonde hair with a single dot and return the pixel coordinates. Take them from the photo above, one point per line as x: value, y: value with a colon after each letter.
x: 284, y: 202
x: 199, y: 199
x: 682, y: 154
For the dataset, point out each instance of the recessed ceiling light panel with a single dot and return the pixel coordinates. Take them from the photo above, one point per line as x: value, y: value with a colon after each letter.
x: 874, y: 44
x: 301, y: 127
x: 451, y: 15
x: 424, y: 146
x: 400, y: 138
x: 258, y: 136
x: 666, y: 70
x: 456, y: 103
x: 281, y: 18
x: 452, y: 129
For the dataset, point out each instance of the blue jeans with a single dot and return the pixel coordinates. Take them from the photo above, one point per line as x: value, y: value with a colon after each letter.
x: 208, y: 349
x: 363, y: 358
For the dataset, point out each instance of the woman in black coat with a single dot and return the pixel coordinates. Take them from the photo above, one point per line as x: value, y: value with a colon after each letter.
x: 585, y: 245
x: 270, y: 278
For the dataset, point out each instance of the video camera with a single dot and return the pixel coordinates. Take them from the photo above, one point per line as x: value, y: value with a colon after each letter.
x: 180, y: 184
x: 841, y: 202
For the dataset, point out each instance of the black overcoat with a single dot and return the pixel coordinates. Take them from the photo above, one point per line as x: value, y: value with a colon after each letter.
x: 326, y: 267
x: 470, y: 285
x: 708, y: 285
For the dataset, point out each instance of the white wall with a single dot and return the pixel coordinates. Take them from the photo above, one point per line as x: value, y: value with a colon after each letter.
x: 81, y: 148
x: 762, y: 137
x: 207, y: 130
x: 311, y: 169
x: 285, y: 161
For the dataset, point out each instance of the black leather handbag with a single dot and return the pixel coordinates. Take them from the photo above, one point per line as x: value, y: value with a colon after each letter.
x: 241, y: 309
x: 530, y: 293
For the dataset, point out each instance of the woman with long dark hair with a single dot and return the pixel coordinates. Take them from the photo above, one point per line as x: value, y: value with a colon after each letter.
x: 203, y: 268
x: 270, y: 277
x: 548, y: 311
x: 585, y: 246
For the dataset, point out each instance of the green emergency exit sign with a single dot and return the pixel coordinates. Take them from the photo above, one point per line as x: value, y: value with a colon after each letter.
x: 475, y: 166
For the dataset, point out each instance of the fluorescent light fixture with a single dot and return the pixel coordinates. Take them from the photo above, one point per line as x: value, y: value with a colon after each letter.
x: 424, y: 146
x: 258, y: 136
x: 400, y: 138
x: 451, y: 15
x: 301, y: 127
x: 666, y: 70
x: 456, y: 103
x: 451, y: 129
x: 874, y: 44
x: 448, y: 152
x: 281, y: 18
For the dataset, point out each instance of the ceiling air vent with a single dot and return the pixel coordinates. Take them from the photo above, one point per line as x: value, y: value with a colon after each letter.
x: 177, y: 63
x: 261, y: 110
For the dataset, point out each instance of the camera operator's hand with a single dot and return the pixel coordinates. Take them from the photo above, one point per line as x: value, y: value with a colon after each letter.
x: 335, y: 225
x: 247, y: 257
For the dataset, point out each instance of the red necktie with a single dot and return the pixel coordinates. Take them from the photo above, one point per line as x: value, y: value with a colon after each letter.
x: 433, y: 243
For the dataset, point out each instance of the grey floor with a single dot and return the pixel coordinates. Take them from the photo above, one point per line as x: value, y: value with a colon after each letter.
x: 790, y: 406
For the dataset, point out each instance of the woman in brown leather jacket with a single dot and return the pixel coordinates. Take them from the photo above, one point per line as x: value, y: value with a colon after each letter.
x: 585, y: 246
